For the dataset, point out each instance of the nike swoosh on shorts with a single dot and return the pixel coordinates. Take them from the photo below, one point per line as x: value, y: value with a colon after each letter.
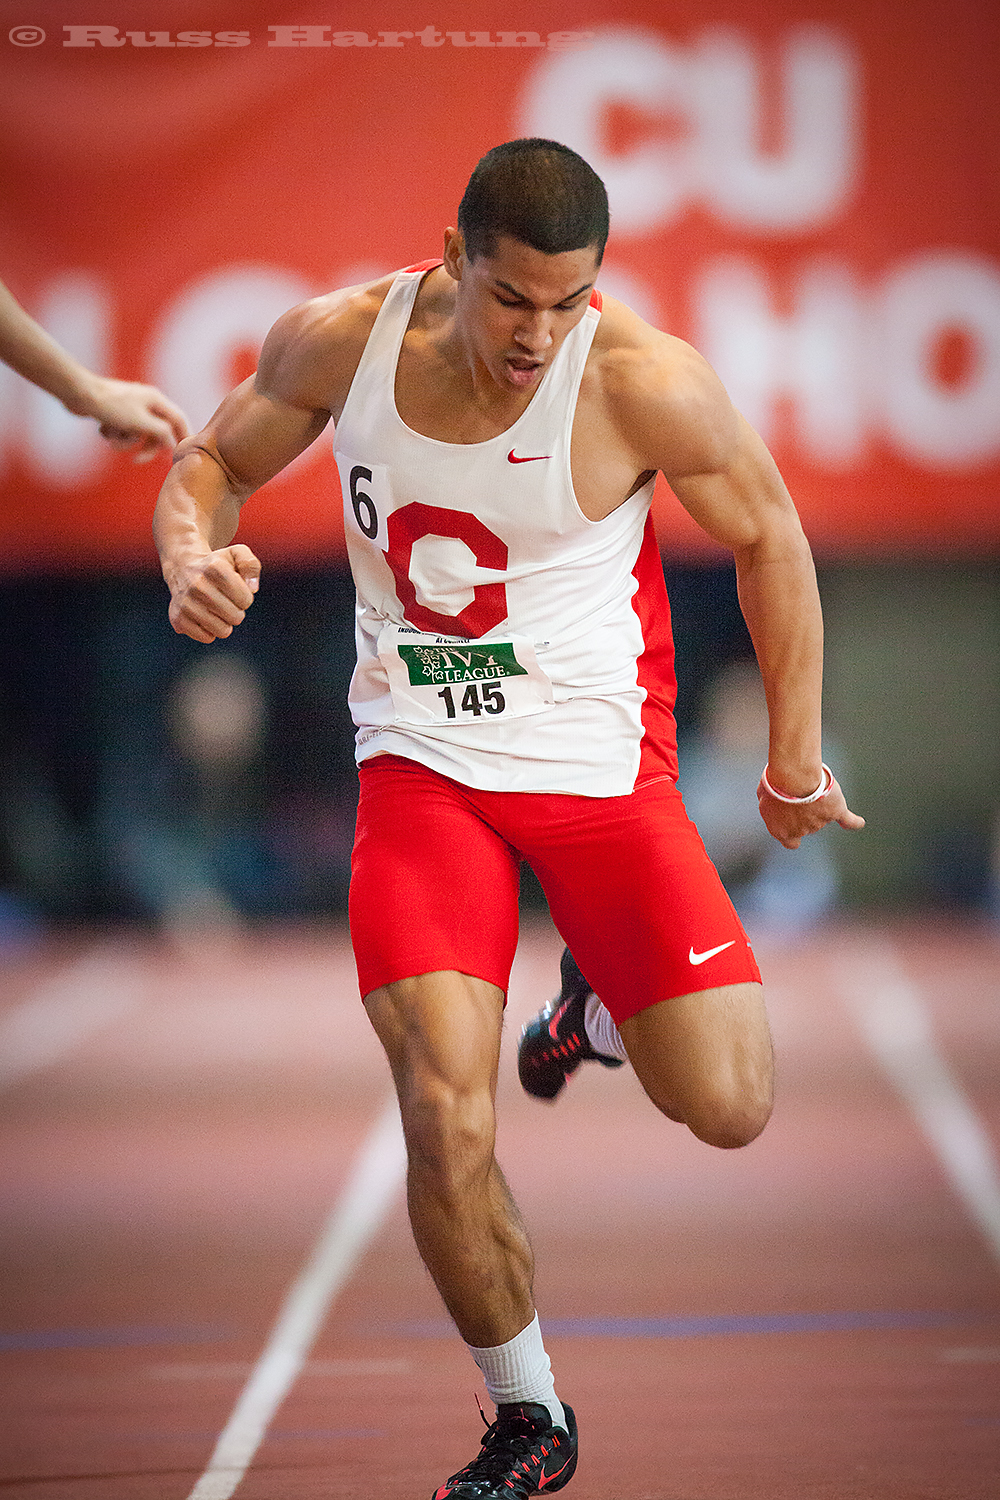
x: 700, y: 958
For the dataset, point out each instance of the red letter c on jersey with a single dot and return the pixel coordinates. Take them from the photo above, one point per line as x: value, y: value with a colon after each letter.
x: 411, y: 522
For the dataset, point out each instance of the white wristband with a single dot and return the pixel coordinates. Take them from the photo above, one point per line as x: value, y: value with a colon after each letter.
x: 825, y: 783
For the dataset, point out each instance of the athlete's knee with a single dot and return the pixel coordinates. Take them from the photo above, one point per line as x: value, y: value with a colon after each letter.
x: 725, y: 1113
x: 706, y: 1059
x: 441, y: 1034
x: 733, y: 1103
x: 450, y: 1136
x: 730, y: 1122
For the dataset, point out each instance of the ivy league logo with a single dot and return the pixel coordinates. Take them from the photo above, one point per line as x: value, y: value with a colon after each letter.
x: 429, y: 665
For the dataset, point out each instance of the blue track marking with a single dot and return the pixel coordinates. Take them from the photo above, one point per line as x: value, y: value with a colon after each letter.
x: 111, y: 1338
x: 710, y: 1326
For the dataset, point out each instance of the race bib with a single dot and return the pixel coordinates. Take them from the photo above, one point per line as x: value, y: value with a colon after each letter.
x: 439, y: 679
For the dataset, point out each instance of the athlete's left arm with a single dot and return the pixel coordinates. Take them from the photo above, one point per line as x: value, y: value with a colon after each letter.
x: 682, y: 422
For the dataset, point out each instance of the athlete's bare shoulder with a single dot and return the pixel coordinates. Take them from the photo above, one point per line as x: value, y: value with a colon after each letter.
x: 310, y: 355
x: 435, y: 300
x: 663, y: 397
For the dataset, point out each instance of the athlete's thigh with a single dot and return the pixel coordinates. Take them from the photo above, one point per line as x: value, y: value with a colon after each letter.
x: 433, y: 886
x: 637, y: 899
x: 706, y: 1058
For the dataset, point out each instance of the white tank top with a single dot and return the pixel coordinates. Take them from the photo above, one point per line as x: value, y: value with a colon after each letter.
x: 503, y: 638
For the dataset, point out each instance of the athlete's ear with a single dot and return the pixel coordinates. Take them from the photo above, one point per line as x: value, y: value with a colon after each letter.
x: 454, y: 252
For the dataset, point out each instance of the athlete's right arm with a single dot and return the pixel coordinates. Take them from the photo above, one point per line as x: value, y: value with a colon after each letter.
x: 212, y: 581
x: 306, y: 367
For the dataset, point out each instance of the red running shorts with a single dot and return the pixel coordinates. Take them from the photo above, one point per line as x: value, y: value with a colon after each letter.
x: 435, y: 876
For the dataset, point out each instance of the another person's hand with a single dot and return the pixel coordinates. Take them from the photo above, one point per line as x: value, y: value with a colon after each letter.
x: 134, y: 416
x: 130, y: 415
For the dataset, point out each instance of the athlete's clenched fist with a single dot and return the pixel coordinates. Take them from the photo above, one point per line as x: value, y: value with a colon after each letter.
x: 210, y: 595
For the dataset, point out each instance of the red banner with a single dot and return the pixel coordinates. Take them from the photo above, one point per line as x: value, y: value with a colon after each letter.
x: 807, y: 193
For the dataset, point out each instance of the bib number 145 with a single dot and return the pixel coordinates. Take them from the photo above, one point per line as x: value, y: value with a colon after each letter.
x: 476, y: 700
x: 435, y: 679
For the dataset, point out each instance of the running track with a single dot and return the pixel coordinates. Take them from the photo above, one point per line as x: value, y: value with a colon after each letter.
x: 202, y: 1237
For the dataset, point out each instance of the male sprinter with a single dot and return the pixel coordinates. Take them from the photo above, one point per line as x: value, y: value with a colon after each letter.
x: 498, y: 431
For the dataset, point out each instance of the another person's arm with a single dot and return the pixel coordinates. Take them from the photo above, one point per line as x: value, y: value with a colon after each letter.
x: 130, y: 415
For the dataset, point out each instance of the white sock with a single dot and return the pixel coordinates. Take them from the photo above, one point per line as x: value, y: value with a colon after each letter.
x: 520, y: 1371
x: 602, y: 1033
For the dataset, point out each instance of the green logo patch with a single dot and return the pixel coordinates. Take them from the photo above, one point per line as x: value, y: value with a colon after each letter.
x: 430, y: 665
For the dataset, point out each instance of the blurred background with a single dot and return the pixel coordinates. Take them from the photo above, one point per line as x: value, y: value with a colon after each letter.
x: 808, y: 193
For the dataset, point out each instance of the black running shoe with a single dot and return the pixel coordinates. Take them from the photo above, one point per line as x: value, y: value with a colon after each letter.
x: 522, y: 1454
x: 555, y: 1042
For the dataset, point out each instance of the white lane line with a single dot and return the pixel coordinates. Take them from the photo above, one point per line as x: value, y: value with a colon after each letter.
x: 887, y: 1007
x: 97, y: 989
x: 353, y: 1222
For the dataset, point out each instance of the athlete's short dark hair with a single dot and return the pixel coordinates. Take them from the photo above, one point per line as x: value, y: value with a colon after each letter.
x: 536, y: 191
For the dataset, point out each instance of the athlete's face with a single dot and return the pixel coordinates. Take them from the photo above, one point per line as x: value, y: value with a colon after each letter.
x: 516, y: 306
